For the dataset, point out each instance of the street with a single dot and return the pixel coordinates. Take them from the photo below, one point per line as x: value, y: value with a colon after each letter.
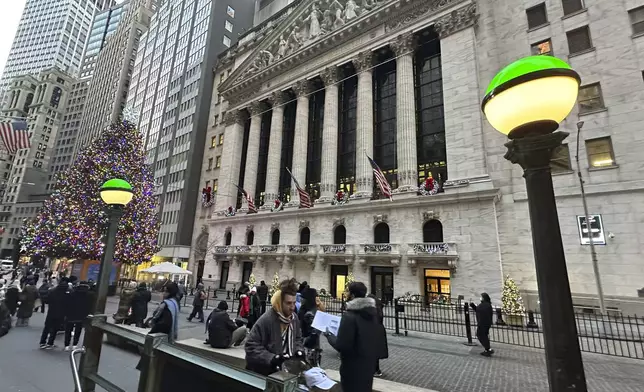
x: 428, y: 361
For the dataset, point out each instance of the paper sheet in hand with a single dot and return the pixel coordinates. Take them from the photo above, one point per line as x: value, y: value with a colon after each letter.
x: 323, y: 321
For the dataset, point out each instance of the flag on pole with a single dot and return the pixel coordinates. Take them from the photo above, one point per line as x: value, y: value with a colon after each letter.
x: 305, y: 198
x: 251, y: 204
x: 14, y: 135
x: 385, y: 188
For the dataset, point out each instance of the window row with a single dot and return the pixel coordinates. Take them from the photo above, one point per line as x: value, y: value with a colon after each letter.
x: 599, y: 151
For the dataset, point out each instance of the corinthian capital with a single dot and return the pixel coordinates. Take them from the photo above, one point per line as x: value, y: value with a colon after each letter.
x: 234, y: 117
x: 256, y: 108
x: 278, y: 98
x: 303, y: 87
x: 329, y: 75
x: 364, y: 61
x: 403, y: 44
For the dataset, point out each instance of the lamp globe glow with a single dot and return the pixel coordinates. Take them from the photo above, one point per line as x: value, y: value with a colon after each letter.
x: 531, y: 96
x: 116, y: 192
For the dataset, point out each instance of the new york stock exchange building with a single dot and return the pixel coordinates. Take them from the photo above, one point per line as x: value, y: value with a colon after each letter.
x: 320, y: 86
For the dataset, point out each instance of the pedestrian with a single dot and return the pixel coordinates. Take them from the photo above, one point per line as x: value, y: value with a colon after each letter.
x: 222, y: 331
x: 244, y: 306
x: 197, y: 304
x: 182, y: 292
x: 484, y: 322
x: 43, y: 293
x: 12, y: 297
x: 255, y: 308
x: 122, y: 314
x: 385, y: 348
x: 139, y: 305
x: 77, y: 311
x: 262, y: 293
x: 276, y: 336
x: 359, y: 340
x: 58, y: 302
x: 310, y: 335
x: 28, y: 298
x: 5, y: 318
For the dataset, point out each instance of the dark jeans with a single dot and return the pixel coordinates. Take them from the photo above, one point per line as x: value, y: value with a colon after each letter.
x: 263, y: 305
x: 77, y: 327
x: 378, y: 367
x: 42, y: 308
x: 483, y: 334
x: 50, y: 330
x: 197, y: 310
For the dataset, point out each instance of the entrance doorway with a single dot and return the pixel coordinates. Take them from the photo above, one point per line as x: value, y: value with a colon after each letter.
x: 339, y: 275
x: 382, y: 283
x: 438, y: 287
x: 225, y: 267
x: 246, y: 271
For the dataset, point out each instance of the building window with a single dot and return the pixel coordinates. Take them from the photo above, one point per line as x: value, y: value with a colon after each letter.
x: 340, y: 235
x: 637, y: 20
x: 227, y: 41
x: 222, y: 76
x: 229, y: 238
x: 288, y: 137
x: 250, y: 238
x: 384, y: 137
x: 433, y: 231
x: 537, y: 16
x: 264, y: 135
x: 314, y: 154
x: 228, y: 26
x: 209, y: 163
x: 543, y: 47
x: 213, y: 142
x: 216, y: 119
x: 305, y: 236
x: 231, y: 12
x: 590, y: 98
x: 572, y: 6
x: 347, y: 135
x: 275, y: 237
x: 579, y: 40
x: 381, y: 233
x: 600, y: 152
x: 560, y: 161
x: 221, y: 139
x: 215, y: 185
x: 218, y: 161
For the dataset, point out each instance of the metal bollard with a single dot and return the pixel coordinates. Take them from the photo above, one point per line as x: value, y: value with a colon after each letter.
x: 396, y: 318
x: 531, y: 322
x: 468, y: 325
x: 227, y: 294
x: 499, y: 317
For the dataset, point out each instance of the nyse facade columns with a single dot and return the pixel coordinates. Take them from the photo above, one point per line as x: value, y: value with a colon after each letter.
x: 403, y: 47
x: 364, y: 124
x: 256, y: 110
x: 273, y: 168
x: 301, y: 140
x: 329, y: 135
x: 230, y: 161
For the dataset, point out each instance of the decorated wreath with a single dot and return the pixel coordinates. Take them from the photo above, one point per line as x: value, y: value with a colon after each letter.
x: 428, y: 187
x: 231, y: 211
x: 340, y: 198
x: 207, y: 198
x: 277, y: 205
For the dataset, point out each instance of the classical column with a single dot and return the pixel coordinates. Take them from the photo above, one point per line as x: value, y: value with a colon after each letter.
x: 252, y: 153
x: 364, y: 125
x: 329, y: 136
x: 273, y: 166
x: 301, y: 140
x: 403, y: 47
x: 230, y: 160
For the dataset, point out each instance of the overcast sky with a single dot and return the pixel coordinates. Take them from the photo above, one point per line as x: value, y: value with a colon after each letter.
x: 11, y: 12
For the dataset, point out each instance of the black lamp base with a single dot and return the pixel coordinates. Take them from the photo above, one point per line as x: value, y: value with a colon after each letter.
x: 535, y: 128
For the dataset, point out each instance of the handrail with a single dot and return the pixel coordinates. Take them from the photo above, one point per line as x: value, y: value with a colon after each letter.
x: 72, y: 361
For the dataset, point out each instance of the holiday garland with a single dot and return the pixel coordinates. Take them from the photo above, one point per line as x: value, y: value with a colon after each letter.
x: 231, y: 211
x: 277, y: 206
x: 428, y: 187
x: 340, y: 198
x: 207, y: 198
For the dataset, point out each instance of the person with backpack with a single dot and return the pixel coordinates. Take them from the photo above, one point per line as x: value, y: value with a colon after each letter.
x: 43, y: 293
x: 197, y: 304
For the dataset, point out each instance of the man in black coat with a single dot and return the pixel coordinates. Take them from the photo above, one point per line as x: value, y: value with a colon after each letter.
x: 77, y: 311
x: 262, y: 293
x: 484, y: 322
x: 359, y: 341
x: 139, y: 305
x: 197, y: 303
x: 222, y: 331
x: 58, y: 302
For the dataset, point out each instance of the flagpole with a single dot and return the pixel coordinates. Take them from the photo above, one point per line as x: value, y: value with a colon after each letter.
x: 15, y: 118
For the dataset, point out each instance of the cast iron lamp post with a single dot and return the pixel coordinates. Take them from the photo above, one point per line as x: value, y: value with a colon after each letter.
x: 526, y: 101
x: 116, y: 193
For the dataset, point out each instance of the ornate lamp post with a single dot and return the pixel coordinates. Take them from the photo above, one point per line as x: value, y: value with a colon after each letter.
x: 526, y: 101
x: 116, y: 193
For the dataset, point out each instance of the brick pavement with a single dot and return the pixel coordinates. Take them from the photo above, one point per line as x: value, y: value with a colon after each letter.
x: 429, y: 361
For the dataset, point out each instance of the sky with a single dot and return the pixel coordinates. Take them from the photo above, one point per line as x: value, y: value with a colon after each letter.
x: 11, y: 12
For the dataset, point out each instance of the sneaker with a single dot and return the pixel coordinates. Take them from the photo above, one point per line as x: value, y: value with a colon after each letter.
x: 50, y: 347
x: 486, y: 354
x: 491, y: 351
x: 74, y: 347
x: 42, y: 346
x: 377, y: 374
x: 68, y: 348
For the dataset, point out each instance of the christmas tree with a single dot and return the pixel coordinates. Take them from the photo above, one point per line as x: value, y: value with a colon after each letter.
x: 350, y: 279
x: 275, y: 284
x: 73, y: 221
x: 252, y: 281
x: 512, y: 303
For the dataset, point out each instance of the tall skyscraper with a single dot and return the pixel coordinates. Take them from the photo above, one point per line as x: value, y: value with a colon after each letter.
x: 51, y: 33
x: 171, y: 92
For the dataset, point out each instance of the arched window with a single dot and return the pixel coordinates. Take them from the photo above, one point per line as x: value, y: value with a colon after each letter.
x: 305, y: 236
x: 381, y: 233
x: 340, y: 235
x: 250, y: 238
x: 433, y: 231
x: 275, y: 237
x: 229, y: 238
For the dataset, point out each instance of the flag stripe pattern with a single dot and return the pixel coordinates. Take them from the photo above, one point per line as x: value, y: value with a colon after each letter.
x: 251, y: 204
x: 305, y: 198
x: 14, y: 135
x: 383, y: 184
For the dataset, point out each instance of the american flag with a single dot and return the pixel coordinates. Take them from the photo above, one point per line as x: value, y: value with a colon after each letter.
x: 14, y: 135
x: 305, y: 198
x: 385, y: 188
x: 251, y: 204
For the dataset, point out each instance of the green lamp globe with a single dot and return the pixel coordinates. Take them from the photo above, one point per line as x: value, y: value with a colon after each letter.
x: 531, y: 96
x: 116, y: 192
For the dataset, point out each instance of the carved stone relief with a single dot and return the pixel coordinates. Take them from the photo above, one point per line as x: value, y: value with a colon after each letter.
x: 228, y: 229
x: 275, y: 226
x: 403, y: 44
x: 457, y: 20
x: 234, y: 117
x: 304, y: 223
x: 249, y: 228
x: 338, y: 222
x: 421, y: 10
x: 430, y: 215
x: 363, y: 61
x: 380, y: 218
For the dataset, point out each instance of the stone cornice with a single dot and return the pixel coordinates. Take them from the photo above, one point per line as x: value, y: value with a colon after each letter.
x: 456, y: 21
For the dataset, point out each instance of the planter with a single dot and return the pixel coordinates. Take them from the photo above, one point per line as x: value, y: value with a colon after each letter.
x: 515, y: 320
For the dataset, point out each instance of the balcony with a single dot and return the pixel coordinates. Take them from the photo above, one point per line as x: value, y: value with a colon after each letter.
x: 432, y: 254
x: 369, y: 252
x: 342, y: 253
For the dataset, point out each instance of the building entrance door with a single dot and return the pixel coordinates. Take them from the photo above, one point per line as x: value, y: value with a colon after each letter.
x: 382, y: 283
x: 438, y: 286
x: 246, y: 271
x: 339, y: 275
x: 225, y: 267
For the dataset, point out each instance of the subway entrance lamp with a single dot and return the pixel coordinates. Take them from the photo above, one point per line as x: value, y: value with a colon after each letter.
x: 116, y: 192
x: 526, y: 101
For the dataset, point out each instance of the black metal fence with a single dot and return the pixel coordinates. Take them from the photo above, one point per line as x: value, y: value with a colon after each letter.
x: 613, y: 334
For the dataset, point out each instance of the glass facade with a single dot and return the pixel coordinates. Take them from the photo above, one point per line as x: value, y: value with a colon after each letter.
x: 346, y: 180
x: 314, y: 153
x: 264, y: 136
x: 288, y: 136
x: 384, y: 138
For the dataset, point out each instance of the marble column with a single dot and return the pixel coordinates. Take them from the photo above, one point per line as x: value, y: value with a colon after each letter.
x: 364, y: 125
x: 252, y: 153
x: 273, y: 166
x: 230, y: 160
x: 403, y: 46
x: 329, y: 136
x: 301, y: 140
